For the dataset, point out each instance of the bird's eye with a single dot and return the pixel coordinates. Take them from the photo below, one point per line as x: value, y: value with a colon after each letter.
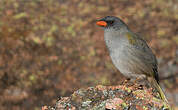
x: 110, y: 22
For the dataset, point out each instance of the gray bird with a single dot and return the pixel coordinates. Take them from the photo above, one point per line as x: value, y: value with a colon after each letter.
x: 129, y: 52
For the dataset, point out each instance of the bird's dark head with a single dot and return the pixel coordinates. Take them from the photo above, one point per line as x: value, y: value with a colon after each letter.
x: 111, y: 22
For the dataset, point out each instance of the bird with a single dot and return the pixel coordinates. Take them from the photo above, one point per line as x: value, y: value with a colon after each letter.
x: 129, y: 52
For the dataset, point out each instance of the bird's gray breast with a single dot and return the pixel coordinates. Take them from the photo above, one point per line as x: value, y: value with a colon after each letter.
x: 117, y: 50
x: 121, y: 55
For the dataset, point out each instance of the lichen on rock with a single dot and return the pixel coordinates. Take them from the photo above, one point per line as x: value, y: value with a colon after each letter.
x: 121, y: 97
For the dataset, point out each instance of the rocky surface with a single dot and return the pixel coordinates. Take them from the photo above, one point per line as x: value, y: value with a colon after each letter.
x: 127, y: 96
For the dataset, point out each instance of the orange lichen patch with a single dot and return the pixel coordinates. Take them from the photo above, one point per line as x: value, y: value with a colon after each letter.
x: 44, y: 108
x: 140, y: 94
x: 114, y: 103
x: 116, y: 87
x: 100, y: 87
x: 139, y: 107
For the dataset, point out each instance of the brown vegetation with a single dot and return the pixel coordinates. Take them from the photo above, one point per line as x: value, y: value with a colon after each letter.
x: 52, y: 47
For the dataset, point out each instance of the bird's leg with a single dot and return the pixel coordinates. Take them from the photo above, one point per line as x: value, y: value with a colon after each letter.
x: 136, y: 80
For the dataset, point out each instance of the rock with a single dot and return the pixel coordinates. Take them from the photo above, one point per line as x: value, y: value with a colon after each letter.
x: 121, y: 97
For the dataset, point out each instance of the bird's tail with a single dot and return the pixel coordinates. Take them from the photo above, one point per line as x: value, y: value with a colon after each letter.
x: 160, y: 91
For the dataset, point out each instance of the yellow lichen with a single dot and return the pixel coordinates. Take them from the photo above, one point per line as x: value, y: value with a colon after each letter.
x: 128, y: 90
x: 124, y: 104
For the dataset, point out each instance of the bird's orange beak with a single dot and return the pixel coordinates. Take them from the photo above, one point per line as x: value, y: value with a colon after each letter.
x: 101, y: 23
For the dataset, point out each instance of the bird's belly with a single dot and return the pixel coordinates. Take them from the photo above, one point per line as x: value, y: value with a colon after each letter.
x: 125, y: 64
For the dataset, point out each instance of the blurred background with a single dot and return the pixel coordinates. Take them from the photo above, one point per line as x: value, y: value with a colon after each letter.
x: 49, y: 48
